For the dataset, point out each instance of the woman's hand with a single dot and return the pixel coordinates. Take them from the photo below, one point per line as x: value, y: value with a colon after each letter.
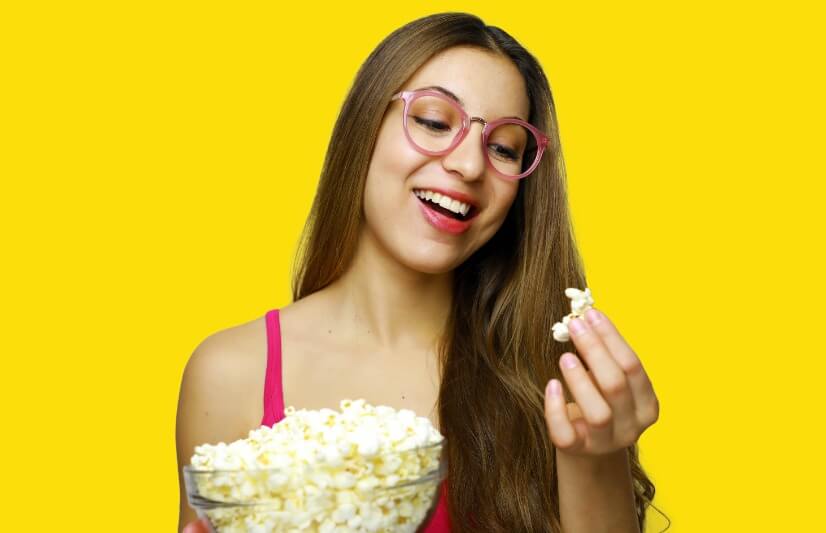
x: 198, y: 526
x: 614, y: 401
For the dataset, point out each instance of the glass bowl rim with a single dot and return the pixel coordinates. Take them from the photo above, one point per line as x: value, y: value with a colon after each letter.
x: 192, y: 470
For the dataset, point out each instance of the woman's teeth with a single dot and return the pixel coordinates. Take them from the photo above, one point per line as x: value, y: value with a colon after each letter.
x: 460, y: 208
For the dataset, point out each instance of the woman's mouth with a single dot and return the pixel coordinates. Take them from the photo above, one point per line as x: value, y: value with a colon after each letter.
x: 443, y: 218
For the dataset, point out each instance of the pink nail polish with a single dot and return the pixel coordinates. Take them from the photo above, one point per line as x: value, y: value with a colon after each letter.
x: 576, y: 326
x: 555, y: 388
x: 569, y: 360
x: 593, y: 316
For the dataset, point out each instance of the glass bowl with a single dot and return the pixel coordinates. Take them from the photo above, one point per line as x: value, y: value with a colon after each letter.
x: 387, y: 492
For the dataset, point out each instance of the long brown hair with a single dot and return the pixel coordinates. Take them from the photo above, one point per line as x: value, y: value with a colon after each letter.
x: 497, y: 353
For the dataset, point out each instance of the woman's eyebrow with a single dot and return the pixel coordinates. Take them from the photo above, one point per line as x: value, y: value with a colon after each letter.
x: 450, y: 94
x: 445, y: 92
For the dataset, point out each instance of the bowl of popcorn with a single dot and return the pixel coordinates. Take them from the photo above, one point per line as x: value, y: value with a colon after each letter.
x: 365, y: 468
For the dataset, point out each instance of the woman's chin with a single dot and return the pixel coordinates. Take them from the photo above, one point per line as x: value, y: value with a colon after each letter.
x: 433, y: 263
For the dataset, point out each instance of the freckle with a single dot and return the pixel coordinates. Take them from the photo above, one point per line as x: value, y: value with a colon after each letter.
x: 402, y: 397
x: 329, y: 331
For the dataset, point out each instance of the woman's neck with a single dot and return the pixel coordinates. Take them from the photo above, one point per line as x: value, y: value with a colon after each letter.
x: 389, y: 305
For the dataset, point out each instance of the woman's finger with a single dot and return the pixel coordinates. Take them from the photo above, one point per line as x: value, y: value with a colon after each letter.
x: 198, y: 526
x: 594, y: 408
x: 606, y: 371
x: 562, y: 432
x: 639, y: 383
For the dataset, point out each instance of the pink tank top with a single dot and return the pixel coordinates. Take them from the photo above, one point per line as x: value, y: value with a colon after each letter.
x: 274, y: 411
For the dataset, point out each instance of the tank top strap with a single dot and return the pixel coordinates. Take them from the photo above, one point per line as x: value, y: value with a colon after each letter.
x: 273, y: 387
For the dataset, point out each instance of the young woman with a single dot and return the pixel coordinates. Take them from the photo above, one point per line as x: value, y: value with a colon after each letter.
x: 447, y: 309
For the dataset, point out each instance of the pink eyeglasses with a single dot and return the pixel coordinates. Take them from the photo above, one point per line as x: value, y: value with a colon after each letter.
x: 435, y: 124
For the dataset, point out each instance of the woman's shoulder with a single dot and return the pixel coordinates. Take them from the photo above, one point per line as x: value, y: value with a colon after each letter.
x: 232, y: 349
x: 228, y: 368
x: 232, y: 362
x: 225, y: 375
x: 238, y: 341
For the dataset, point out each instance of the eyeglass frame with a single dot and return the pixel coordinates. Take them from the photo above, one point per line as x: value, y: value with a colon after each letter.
x: 408, y: 96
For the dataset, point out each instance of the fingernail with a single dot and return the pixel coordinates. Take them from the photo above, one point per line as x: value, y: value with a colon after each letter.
x: 569, y: 360
x: 554, y: 387
x: 576, y: 326
x: 593, y: 316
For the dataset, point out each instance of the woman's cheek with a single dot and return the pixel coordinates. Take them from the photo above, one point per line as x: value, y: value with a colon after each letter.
x: 497, y: 212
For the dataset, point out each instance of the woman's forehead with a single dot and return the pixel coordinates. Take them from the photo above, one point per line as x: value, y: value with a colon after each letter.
x: 484, y: 83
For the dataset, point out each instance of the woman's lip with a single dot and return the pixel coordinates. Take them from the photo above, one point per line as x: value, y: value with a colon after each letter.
x: 444, y: 222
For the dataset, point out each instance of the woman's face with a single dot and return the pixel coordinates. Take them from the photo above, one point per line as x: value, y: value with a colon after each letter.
x: 490, y: 87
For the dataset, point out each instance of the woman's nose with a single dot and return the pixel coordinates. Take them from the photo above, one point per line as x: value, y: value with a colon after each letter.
x: 468, y: 157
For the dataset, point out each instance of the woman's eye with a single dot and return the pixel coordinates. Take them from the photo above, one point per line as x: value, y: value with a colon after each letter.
x: 504, y: 152
x: 432, y: 124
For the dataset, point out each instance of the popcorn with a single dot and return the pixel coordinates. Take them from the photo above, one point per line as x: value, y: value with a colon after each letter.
x: 581, y: 301
x: 367, y: 468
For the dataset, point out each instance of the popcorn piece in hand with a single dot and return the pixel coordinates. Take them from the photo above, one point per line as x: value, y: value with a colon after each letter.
x: 581, y: 301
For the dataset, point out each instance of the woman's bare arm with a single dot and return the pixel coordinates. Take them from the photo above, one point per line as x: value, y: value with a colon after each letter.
x: 210, y: 405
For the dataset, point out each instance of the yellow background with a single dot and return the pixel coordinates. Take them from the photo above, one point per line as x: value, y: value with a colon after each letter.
x: 158, y: 160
